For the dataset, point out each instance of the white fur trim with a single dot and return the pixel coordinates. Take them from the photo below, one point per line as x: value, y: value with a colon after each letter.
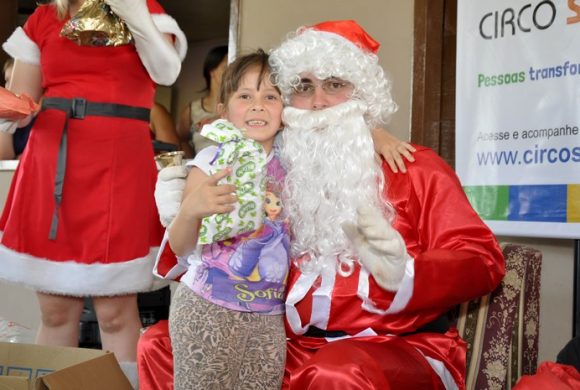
x: 368, y: 332
x: 176, y: 271
x: 22, y: 48
x: 71, y: 278
x: 442, y: 371
x: 402, y: 297
x: 405, y: 291
x: 166, y: 24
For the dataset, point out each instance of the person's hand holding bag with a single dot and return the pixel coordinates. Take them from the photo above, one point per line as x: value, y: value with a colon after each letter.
x: 155, y: 50
x: 14, y: 108
x: 380, y: 248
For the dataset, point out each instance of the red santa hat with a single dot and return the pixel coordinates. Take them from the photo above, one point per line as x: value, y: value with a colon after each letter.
x: 351, y: 31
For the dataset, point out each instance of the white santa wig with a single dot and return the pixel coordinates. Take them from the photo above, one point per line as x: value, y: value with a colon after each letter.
x: 330, y: 54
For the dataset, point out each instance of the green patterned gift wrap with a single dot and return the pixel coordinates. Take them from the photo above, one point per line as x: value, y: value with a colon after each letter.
x: 247, y: 159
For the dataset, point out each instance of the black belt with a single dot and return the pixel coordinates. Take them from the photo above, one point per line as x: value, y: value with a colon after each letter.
x: 438, y: 325
x: 313, y: 331
x: 78, y: 108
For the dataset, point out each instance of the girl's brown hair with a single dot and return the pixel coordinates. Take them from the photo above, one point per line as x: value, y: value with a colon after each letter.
x: 237, y: 69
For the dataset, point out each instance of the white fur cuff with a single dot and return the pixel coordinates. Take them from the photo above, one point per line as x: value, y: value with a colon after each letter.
x: 166, y: 24
x: 22, y: 48
x: 387, y: 273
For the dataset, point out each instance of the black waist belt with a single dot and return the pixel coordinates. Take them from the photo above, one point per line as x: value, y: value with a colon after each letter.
x: 313, y: 331
x: 438, y: 325
x: 78, y: 108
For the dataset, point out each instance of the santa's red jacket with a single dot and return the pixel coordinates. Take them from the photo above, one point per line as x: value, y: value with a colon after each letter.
x: 455, y: 258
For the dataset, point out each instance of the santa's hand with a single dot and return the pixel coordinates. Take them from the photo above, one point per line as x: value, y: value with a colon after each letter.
x: 8, y: 126
x: 169, y: 192
x: 380, y: 248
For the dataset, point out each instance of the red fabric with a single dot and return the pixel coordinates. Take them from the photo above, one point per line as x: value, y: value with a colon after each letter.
x: 456, y: 259
x: 154, y: 7
x: 108, y: 212
x: 155, y: 362
x: 155, y: 358
x: 357, y: 363
x: 351, y: 30
x: 551, y: 376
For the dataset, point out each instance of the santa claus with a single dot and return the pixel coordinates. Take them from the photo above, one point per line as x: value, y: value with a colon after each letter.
x: 378, y: 258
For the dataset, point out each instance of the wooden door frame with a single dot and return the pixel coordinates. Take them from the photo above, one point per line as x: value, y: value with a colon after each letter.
x: 8, y: 18
x: 433, y: 100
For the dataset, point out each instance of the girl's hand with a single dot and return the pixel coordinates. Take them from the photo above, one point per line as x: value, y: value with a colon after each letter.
x: 205, y: 197
x: 392, y: 149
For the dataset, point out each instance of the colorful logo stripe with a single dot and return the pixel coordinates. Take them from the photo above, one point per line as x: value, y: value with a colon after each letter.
x: 533, y: 203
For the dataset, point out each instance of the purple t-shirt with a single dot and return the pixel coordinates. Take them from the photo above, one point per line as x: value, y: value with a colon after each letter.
x: 247, y: 272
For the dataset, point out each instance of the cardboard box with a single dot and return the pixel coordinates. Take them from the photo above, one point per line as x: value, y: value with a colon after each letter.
x: 36, y: 367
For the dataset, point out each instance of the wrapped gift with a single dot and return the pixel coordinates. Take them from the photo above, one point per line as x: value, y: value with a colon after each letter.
x: 247, y: 159
x: 15, y: 107
x: 96, y: 25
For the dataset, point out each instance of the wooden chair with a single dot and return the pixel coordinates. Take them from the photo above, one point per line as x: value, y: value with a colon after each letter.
x: 502, y: 337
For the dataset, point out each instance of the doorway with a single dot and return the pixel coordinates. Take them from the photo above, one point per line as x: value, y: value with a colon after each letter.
x: 433, y: 102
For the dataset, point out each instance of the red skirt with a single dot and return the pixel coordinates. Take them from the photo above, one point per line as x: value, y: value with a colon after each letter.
x: 108, y: 230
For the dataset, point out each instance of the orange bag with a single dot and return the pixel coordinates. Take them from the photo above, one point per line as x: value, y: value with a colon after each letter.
x: 13, y: 107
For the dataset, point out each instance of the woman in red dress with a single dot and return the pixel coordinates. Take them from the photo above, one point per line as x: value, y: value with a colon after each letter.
x: 80, y: 219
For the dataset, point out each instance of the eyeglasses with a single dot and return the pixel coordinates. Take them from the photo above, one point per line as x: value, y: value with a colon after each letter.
x: 332, y: 86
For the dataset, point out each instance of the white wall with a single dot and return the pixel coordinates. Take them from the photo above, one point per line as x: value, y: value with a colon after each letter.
x: 17, y: 304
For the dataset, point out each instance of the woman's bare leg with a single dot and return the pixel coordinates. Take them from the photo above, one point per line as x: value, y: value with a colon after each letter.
x: 119, y: 324
x: 60, y: 317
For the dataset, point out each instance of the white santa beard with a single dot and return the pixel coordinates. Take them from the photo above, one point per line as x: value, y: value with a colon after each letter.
x: 331, y: 171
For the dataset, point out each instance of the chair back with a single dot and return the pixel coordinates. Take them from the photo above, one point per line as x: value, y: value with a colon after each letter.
x: 502, y: 337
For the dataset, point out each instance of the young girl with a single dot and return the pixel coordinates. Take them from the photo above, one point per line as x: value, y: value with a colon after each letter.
x: 226, y: 322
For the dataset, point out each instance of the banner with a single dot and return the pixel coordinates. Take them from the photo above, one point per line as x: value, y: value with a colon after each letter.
x: 518, y: 114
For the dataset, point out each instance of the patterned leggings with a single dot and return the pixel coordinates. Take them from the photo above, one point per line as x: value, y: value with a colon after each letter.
x: 219, y: 348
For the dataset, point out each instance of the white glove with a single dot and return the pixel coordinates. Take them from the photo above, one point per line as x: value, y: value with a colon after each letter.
x: 169, y: 192
x: 381, y: 249
x: 158, y: 56
x: 8, y: 126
